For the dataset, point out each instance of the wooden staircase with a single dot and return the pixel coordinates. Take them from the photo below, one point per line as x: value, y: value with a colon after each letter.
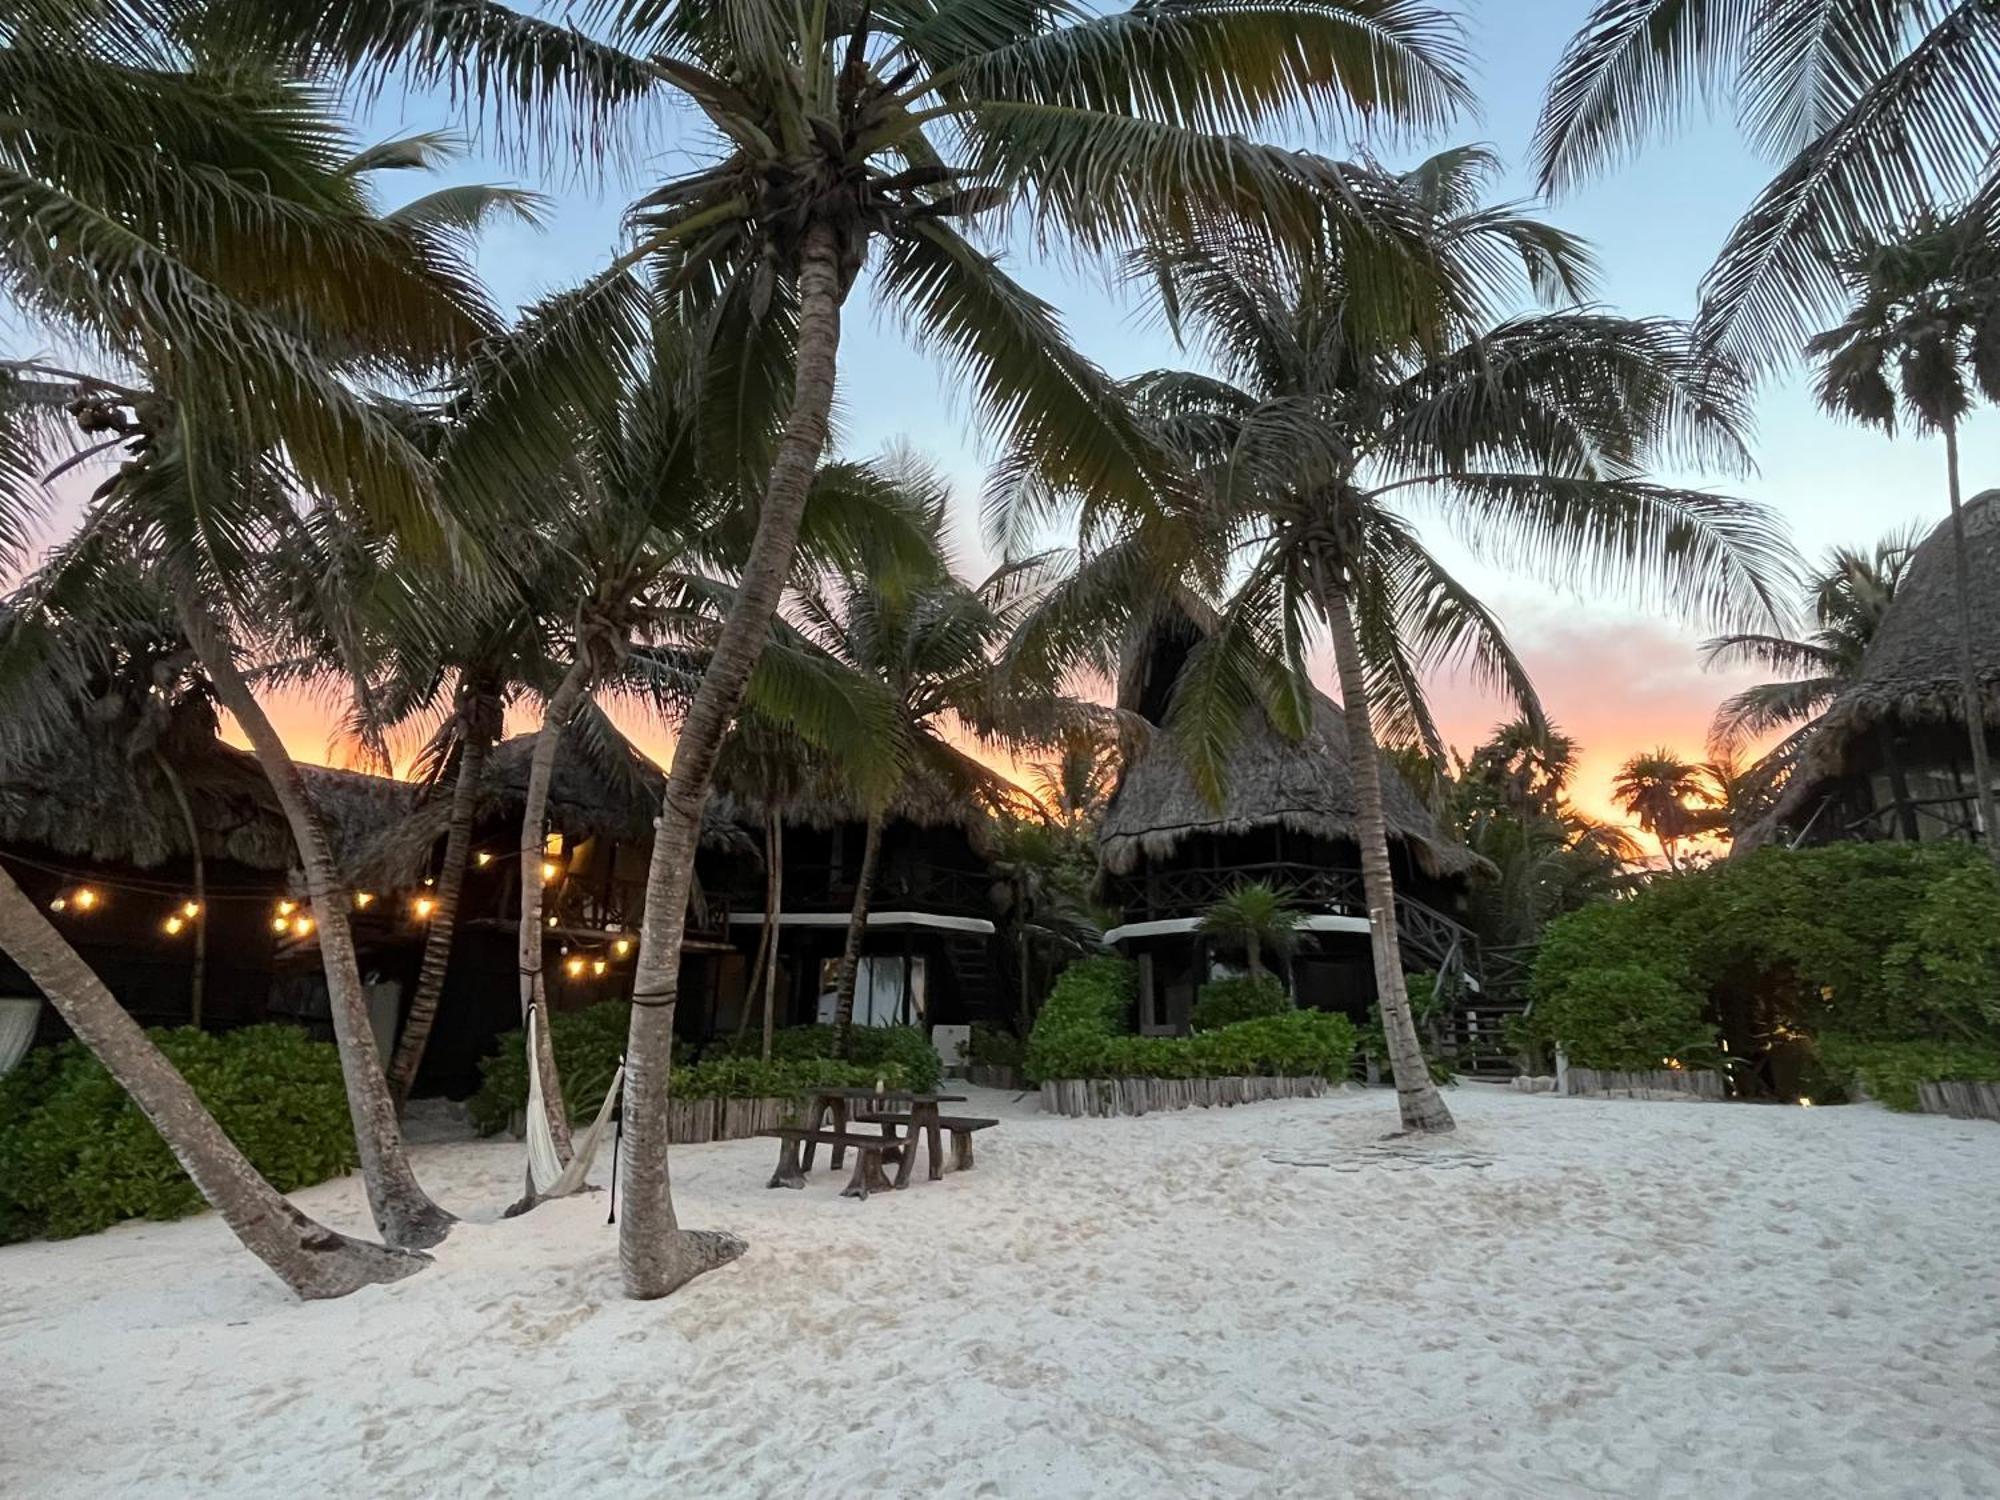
x: 974, y: 974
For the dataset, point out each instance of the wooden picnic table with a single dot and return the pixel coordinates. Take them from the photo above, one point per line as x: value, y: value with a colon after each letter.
x: 888, y: 1108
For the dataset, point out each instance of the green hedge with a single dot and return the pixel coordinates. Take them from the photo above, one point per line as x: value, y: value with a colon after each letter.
x: 1872, y: 943
x: 1084, y: 1031
x: 76, y: 1154
x: 1224, y: 1002
x: 991, y: 1047
x: 589, y: 1042
x: 1891, y: 1071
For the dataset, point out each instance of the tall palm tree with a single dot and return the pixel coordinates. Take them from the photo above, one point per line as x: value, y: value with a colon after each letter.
x: 1528, y: 435
x: 872, y: 133
x: 1873, y: 113
x: 1924, y: 332
x: 233, y: 327
x: 1671, y: 798
x: 1846, y: 601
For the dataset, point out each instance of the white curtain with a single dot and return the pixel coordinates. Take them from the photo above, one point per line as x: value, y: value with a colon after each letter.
x: 18, y: 1015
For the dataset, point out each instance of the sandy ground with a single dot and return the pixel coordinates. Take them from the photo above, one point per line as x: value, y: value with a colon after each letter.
x: 1567, y: 1298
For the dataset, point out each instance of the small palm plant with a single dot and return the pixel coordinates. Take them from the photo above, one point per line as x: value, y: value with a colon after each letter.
x: 1257, y: 918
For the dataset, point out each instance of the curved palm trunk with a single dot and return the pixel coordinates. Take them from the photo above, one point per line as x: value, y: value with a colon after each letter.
x: 1968, y: 675
x: 1256, y: 957
x: 311, y: 1259
x: 656, y: 1255
x: 532, y: 937
x: 771, y: 915
x: 444, y: 923
x: 403, y: 1211
x: 198, y: 973
x: 1417, y: 1098
x: 857, y: 929
x: 767, y: 930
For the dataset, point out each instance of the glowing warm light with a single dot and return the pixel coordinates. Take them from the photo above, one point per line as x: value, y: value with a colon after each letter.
x: 622, y: 947
x: 286, y: 908
x: 423, y: 906
x: 598, y: 966
x: 550, y: 869
x: 302, y: 926
x: 191, y: 910
x: 173, y: 925
x: 281, y: 924
x: 428, y: 880
x: 482, y: 859
x: 552, y: 921
x: 553, y: 844
x: 362, y: 898
x: 59, y: 904
x: 85, y: 899
x: 575, y: 968
x: 1805, y: 1104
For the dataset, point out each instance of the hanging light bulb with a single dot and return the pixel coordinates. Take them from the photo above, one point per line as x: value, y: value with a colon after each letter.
x: 423, y: 906
x: 61, y: 903
x: 428, y: 880
x: 622, y: 947
x: 550, y: 869
x: 597, y: 966
x: 362, y: 898
x: 286, y: 908
x: 302, y: 926
x: 281, y: 924
x: 173, y: 925
x: 482, y: 859
x: 552, y: 921
x: 85, y: 899
x: 575, y: 968
x: 191, y: 910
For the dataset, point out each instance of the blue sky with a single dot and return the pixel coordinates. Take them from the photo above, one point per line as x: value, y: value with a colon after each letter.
x: 1617, y: 677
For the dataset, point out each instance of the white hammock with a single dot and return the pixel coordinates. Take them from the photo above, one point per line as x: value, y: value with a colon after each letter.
x: 546, y: 1174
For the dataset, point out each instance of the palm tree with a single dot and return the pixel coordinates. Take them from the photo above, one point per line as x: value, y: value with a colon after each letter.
x: 1875, y: 113
x: 1923, y: 333
x: 1671, y: 798
x: 872, y: 133
x: 235, y: 325
x: 1528, y: 435
x: 1846, y: 601
x: 1257, y: 918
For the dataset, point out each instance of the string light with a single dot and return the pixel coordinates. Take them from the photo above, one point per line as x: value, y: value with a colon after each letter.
x: 85, y: 899
x: 597, y: 966
x: 575, y: 968
x: 281, y: 924
x: 302, y: 926
x: 362, y: 898
x: 482, y: 859
x: 61, y: 903
x: 423, y: 906
x: 191, y: 910
x: 286, y: 908
x: 622, y: 947
x: 173, y: 925
x: 553, y: 921
x: 428, y: 880
x: 550, y: 869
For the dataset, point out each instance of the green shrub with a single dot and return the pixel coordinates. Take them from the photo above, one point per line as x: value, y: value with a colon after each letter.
x: 992, y: 1047
x: 589, y: 1042
x: 76, y: 1154
x: 1082, y: 1032
x: 1425, y: 997
x: 1224, y: 1002
x: 1625, y: 1017
x: 1891, y: 1071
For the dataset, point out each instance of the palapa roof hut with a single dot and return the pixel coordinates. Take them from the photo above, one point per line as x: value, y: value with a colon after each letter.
x: 1890, y: 756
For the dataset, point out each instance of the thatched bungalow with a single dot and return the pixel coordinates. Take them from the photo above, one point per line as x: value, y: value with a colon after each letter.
x: 1288, y: 820
x: 1890, y: 758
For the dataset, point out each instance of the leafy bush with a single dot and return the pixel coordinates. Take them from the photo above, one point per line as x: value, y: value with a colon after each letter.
x: 76, y: 1154
x: 1887, y: 942
x: 589, y: 1042
x: 1082, y: 1032
x: 993, y: 1048
x: 1224, y: 1002
x: 1891, y: 1071
x: 1624, y: 1017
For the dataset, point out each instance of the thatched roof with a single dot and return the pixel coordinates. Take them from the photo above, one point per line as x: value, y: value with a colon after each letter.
x: 1306, y: 785
x: 1909, y: 675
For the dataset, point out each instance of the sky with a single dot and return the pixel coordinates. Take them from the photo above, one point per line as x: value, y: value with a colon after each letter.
x: 1615, y: 677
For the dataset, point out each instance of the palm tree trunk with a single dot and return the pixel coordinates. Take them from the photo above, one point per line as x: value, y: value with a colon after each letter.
x: 444, y: 922
x: 1417, y: 1097
x: 656, y: 1256
x: 198, y: 971
x: 403, y: 1211
x: 531, y: 950
x: 767, y: 930
x: 1968, y: 673
x: 772, y: 913
x: 857, y: 930
x: 1256, y: 964
x: 311, y: 1259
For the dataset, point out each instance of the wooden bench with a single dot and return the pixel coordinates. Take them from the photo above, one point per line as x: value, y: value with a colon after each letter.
x: 868, y: 1153
x: 960, y: 1126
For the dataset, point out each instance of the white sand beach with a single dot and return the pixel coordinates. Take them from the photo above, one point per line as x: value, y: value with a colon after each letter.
x: 1567, y: 1298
